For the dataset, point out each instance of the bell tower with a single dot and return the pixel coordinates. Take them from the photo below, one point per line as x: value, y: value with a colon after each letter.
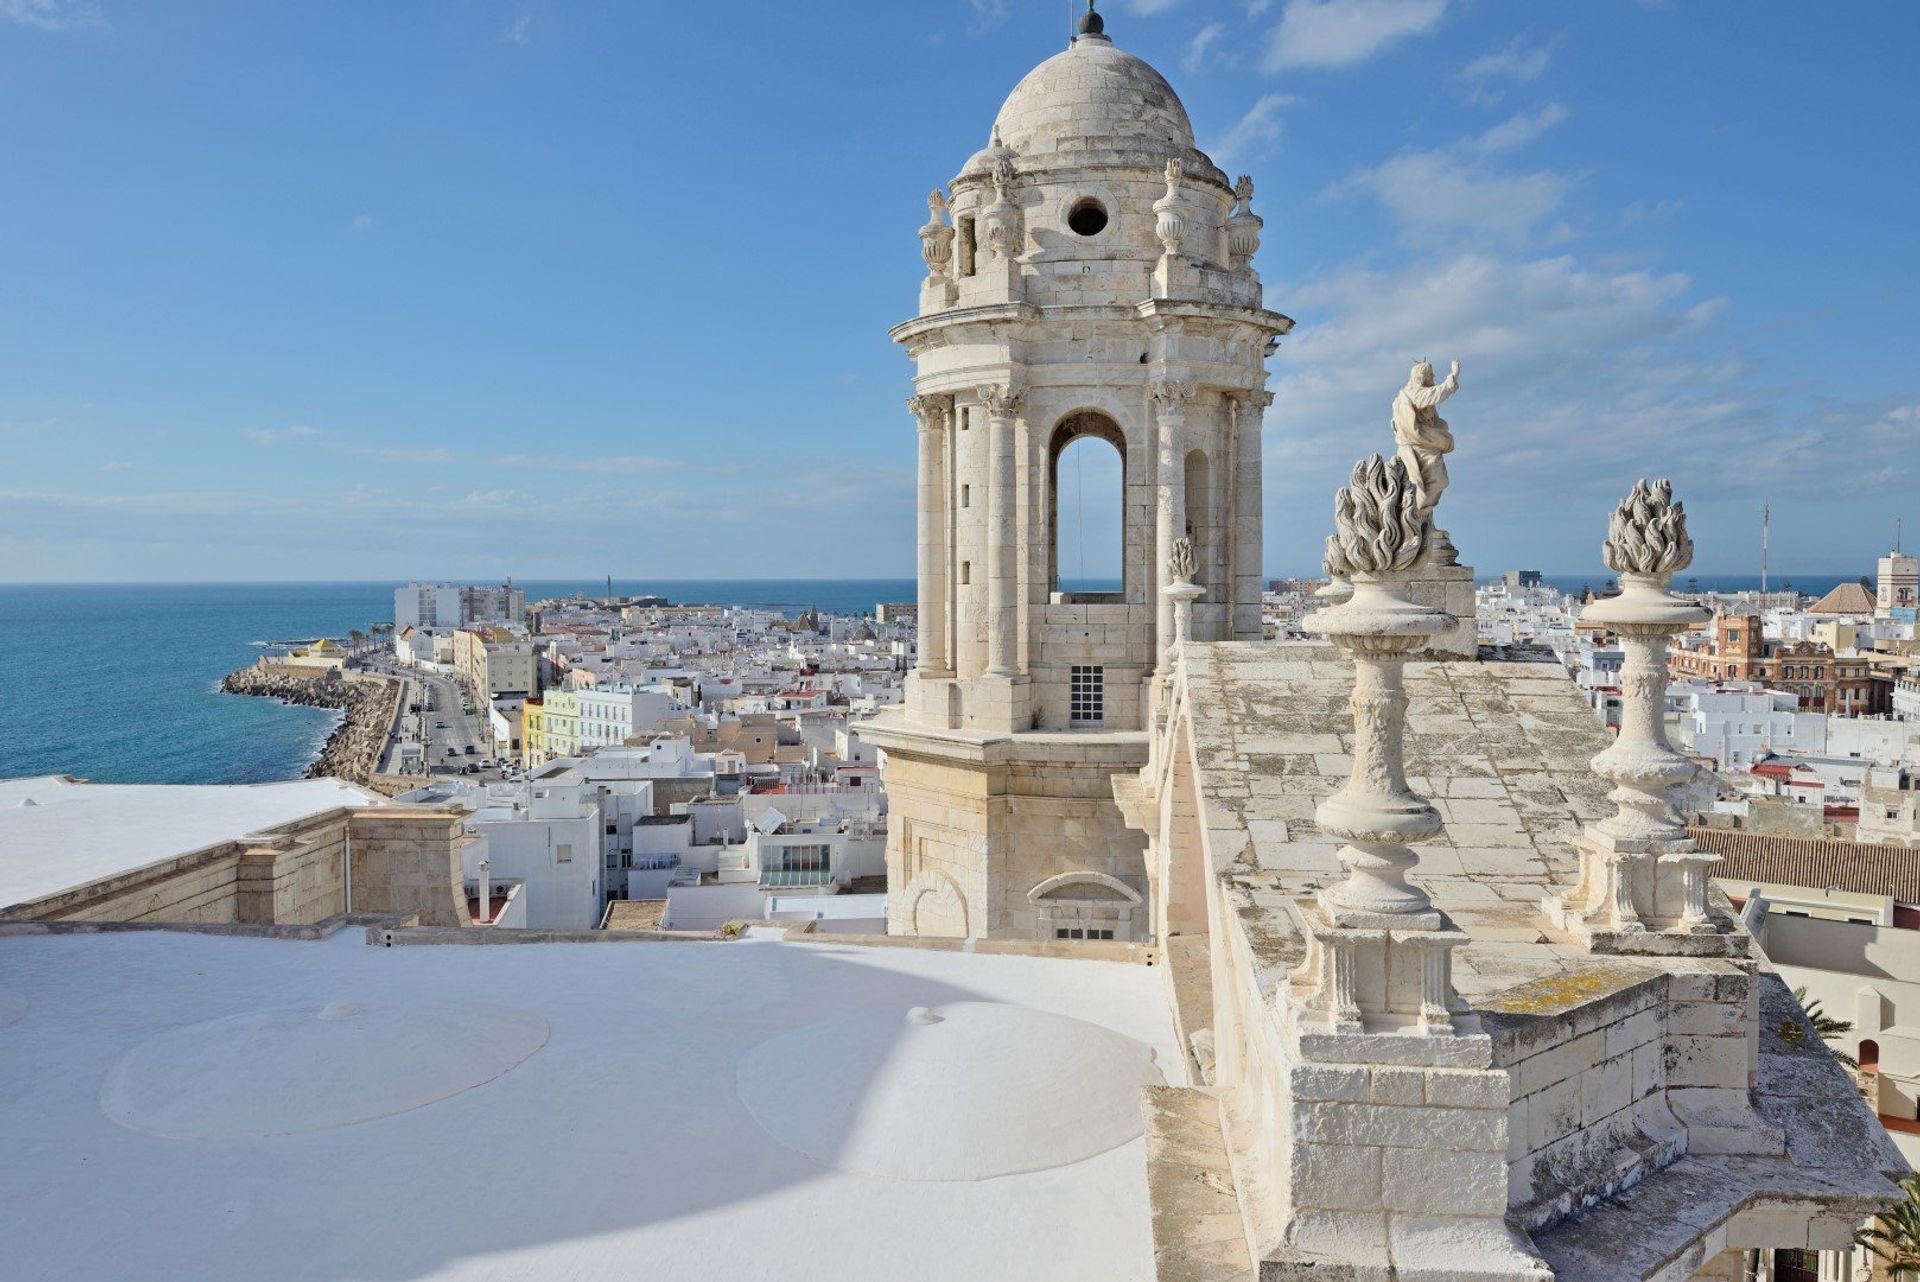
x: 1088, y: 274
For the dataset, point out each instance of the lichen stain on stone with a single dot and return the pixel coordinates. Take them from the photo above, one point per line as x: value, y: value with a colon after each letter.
x: 1564, y: 991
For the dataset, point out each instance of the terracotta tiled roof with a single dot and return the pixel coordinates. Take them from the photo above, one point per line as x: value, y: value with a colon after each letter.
x: 1848, y: 598
x: 1858, y: 867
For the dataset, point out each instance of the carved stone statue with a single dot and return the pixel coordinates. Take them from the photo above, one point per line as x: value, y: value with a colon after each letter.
x: 1422, y: 434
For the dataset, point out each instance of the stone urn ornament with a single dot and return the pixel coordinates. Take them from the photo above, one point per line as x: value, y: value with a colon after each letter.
x: 936, y: 236
x: 1379, y: 539
x: 1181, y: 566
x: 1640, y: 873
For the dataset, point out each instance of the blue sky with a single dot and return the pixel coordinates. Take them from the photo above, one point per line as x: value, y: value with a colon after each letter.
x: 475, y: 288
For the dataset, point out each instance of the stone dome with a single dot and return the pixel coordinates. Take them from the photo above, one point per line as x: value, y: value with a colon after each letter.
x: 1093, y: 98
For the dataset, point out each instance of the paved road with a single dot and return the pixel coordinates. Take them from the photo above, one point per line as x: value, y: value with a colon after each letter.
x: 444, y: 727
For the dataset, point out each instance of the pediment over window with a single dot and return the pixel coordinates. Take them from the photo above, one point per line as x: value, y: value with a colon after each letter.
x: 1083, y: 887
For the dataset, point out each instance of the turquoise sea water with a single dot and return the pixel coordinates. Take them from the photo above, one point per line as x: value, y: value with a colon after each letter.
x: 118, y: 683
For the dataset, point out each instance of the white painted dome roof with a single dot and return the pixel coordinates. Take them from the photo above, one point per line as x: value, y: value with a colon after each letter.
x: 294, y: 1070
x: 964, y: 1091
x: 1093, y: 98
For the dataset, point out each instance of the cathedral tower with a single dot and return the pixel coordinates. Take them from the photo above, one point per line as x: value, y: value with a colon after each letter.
x: 1089, y: 274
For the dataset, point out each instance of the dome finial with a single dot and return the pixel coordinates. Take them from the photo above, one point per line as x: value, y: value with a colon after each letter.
x: 1092, y: 24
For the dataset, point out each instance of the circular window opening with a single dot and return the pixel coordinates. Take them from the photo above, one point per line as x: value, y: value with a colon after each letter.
x: 1088, y: 218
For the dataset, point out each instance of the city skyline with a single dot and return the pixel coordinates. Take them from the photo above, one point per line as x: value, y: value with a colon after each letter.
x: 305, y: 291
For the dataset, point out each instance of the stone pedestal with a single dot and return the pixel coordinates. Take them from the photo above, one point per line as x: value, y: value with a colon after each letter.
x: 1449, y: 589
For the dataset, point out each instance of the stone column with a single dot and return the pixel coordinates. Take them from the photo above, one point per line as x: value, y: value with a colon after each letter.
x: 1170, y: 399
x: 1002, y: 402
x: 933, y: 413
x: 1247, y: 528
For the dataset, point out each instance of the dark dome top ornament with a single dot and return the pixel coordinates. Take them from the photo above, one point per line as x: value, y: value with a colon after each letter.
x: 1092, y: 24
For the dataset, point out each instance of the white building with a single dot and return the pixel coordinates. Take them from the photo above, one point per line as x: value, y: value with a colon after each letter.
x: 432, y: 606
x: 545, y: 836
x: 1738, y: 726
x: 781, y: 858
x: 1898, y: 594
x: 613, y: 714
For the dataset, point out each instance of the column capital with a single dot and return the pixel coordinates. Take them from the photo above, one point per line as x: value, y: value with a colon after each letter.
x: 931, y: 410
x: 1002, y: 400
x: 1258, y: 400
x: 1172, y: 395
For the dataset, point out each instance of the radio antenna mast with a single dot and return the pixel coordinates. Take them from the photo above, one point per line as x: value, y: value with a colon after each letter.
x: 1766, y: 520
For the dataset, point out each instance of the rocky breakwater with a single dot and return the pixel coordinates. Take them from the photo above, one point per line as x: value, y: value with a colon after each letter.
x: 353, y: 750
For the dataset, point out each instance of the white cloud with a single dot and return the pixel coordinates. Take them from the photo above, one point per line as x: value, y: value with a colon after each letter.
x: 1520, y: 130
x: 424, y: 455
x: 987, y: 14
x: 116, y: 465
x: 361, y: 222
x: 1510, y: 65
x: 516, y: 32
x: 492, y: 498
x: 1574, y: 382
x: 1254, y: 134
x: 1433, y: 189
x: 1454, y: 187
x: 1343, y: 33
x: 274, y: 436
x: 613, y: 465
x: 1255, y: 8
x: 1203, y: 40
x: 54, y: 15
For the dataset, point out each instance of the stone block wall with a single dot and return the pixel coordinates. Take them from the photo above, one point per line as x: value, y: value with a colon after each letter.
x: 977, y: 822
x: 405, y: 860
x: 294, y: 876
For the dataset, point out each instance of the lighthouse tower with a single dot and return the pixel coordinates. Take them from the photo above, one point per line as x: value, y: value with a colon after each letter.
x: 1089, y: 273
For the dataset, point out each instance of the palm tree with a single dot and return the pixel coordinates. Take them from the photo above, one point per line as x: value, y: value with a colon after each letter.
x: 1822, y: 1023
x: 1895, y: 1235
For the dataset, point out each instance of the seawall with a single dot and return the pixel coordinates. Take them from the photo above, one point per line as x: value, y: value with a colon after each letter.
x: 372, y: 704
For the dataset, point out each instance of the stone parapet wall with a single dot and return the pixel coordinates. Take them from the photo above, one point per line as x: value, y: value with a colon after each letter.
x: 1577, y: 1088
x: 405, y: 860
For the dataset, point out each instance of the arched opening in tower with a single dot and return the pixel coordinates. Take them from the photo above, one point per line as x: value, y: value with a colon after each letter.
x: 1203, y: 527
x: 1086, y: 508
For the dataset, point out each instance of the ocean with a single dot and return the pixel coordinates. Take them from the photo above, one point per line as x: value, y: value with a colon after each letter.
x: 119, y: 682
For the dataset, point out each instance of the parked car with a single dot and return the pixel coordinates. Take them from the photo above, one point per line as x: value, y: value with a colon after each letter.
x: 469, y: 750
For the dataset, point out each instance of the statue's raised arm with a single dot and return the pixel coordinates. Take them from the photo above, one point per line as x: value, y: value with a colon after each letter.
x: 1421, y: 391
